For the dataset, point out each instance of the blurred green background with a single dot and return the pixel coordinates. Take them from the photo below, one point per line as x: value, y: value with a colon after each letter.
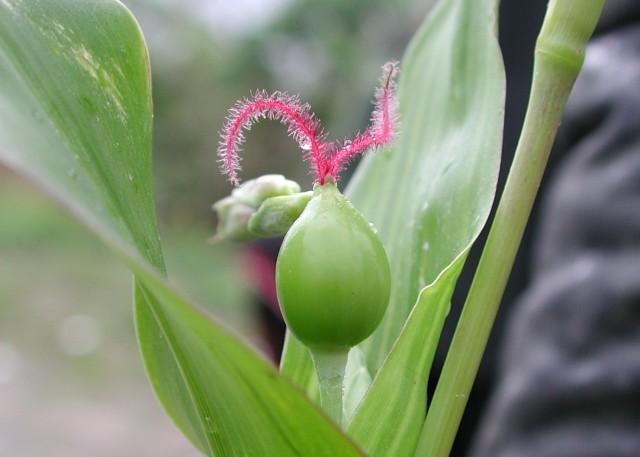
x: 71, y: 379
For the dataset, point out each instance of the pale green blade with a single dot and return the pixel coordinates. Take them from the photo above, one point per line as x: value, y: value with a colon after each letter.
x: 75, y: 118
x: 75, y: 113
x: 389, y: 420
x: 559, y: 54
x: 430, y: 198
x: 431, y: 194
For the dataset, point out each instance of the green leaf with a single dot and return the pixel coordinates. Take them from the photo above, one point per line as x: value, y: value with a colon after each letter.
x: 431, y: 194
x: 429, y: 197
x: 389, y: 420
x: 75, y: 113
x: 75, y: 118
x: 559, y: 54
x: 247, y: 406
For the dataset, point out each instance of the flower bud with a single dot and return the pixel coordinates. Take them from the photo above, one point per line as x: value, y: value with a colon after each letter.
x: 252, y: 193
x: 236, y: 211
x: 233, y: 221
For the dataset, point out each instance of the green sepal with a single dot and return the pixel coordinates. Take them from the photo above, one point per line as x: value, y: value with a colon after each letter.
x: 235, y: 210
x: 276, y: 215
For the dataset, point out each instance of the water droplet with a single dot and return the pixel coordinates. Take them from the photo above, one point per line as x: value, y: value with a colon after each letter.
x: 425, y: 246
x: 72, y: 173
x: 373, y: 227
x: 130, y: 176
x: 305, y: 145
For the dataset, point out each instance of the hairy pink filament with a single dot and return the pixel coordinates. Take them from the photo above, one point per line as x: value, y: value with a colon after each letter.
x: 383, y: 123
x: 303, y: 126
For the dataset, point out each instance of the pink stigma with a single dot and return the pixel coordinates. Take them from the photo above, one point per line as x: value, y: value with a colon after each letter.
x: 325, y: 157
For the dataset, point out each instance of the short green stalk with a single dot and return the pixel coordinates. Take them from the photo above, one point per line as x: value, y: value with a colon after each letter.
x: 330, y: 366
x: 559, y: 56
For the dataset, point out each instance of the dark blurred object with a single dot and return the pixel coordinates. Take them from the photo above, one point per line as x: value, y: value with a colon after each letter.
x: 258, y: 260
x: 569, y: 383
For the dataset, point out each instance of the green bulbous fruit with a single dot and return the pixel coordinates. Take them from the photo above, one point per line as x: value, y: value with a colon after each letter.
x: 332, y: 274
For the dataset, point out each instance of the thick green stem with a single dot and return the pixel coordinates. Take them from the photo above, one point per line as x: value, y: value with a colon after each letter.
x: 330, y: 367
x: 558, y: 58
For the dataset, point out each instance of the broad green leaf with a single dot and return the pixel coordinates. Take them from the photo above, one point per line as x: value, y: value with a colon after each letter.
x: 75, y: 118
x: 431, y: 194
x: 429, y: 198
x: 75, y: 113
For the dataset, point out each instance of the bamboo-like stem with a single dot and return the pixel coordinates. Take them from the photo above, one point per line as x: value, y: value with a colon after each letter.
x: 559, y: 55
x: 330, y: 367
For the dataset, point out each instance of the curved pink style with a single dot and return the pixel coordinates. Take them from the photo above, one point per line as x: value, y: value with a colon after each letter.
x: 325, y: 157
